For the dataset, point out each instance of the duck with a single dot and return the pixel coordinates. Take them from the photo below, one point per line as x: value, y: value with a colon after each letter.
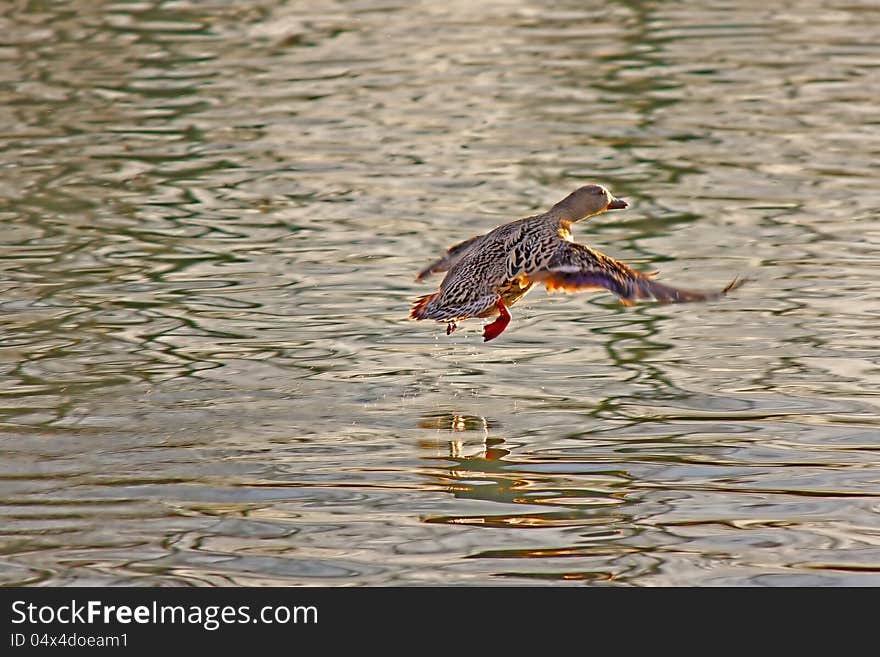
x: 488, y: 273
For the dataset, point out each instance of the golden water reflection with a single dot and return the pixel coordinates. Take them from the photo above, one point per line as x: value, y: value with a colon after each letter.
x: 590, y: 509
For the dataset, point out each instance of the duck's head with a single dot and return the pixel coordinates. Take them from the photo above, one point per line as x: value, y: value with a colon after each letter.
x: 586, y: 201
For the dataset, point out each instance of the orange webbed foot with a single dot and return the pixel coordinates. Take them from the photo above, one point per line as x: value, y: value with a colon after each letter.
x: 450, y: 327
x: 496, y: 328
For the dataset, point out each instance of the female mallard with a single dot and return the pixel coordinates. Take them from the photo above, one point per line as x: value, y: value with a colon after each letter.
x: 487, y: 273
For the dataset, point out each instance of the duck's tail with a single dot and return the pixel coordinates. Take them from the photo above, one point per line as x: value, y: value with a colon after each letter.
x: 420, y: 307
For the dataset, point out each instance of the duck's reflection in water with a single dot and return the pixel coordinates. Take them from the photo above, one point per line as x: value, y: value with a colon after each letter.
x: 460, y: 448
x: 581, y: 507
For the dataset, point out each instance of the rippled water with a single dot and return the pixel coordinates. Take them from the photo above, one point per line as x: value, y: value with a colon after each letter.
x: 211, y: 215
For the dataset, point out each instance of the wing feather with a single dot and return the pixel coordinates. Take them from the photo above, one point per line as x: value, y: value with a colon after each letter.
x: 453, y: 254
x: 577, y: 267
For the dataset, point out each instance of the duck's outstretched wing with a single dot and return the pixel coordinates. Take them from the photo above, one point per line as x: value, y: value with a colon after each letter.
x: 453, y: 254
x: 577, y: 267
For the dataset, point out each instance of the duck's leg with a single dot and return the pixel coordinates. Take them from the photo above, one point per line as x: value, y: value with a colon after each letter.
x: 450, y: 327
x: 496, y: 328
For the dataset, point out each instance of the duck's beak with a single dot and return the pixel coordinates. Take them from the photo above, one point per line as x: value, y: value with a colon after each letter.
x: 617, y: 204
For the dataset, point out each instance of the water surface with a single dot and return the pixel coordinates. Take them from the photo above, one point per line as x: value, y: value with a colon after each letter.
x: 210, y: 219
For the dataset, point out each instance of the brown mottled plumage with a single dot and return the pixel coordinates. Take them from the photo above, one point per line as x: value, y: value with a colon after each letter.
x: 487, y: 273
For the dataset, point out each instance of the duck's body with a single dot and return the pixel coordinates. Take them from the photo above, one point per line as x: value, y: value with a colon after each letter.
x: 487, y: 273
